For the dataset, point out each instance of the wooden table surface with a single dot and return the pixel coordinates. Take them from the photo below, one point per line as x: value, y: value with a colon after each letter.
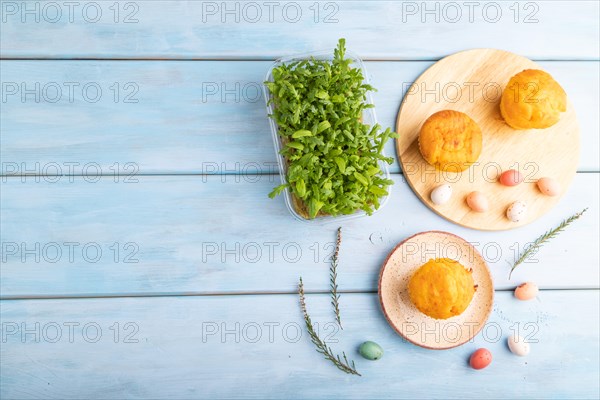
x: 142, y: 258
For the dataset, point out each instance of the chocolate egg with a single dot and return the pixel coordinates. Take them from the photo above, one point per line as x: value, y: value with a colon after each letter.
x: 516, y: 211
x: 441, y: 194
x: 512, y: 177
x: 478, y: 202
x: 526, y: 291
x: 549, y: 186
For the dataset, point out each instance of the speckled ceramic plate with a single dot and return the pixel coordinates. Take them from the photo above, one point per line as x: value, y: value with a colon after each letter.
x: 406, y: 319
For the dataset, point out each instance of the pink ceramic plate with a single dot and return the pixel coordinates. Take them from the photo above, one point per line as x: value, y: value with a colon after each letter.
x: 406, y: 319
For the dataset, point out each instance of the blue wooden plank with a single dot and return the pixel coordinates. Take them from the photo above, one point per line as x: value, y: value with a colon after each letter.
x: 255, y: 347
x: 191, y: 117
x: 140, y: 235
x: 234, y: 29
x: 222, y: 234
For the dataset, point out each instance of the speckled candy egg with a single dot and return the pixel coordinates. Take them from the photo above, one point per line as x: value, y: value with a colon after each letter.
x: 370, y: 350
x: 478, y: 202
x: 549, y: 186
x: 518, y: 345
x: 526, y: 291
x: 441, y: 194
x: 480, y: 359
x: 516, y: 211
x: 512, y: 177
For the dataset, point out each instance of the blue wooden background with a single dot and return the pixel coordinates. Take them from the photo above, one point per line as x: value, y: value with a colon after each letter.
x: 172, y: 275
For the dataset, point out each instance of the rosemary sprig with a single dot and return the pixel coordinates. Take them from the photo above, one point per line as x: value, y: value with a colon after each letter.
x: 344, y: 365
x: 550, y: 234
x: 335, y: 297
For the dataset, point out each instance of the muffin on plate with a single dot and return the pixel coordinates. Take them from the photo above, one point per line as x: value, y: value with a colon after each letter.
x: 450, y: 140
x: 532, y: 99
x: 441, y: 288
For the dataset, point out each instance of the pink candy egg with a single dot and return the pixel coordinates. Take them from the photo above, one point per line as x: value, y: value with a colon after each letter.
x: 526, y: 291
x: 478, y: 202
x: 549, y: 186
x: 481, y: 358
x: 512, y: 177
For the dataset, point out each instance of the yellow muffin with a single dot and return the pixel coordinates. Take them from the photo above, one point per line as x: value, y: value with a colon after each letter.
x: 532, y: 100
x: 441, y: 288
x: 450, y: 140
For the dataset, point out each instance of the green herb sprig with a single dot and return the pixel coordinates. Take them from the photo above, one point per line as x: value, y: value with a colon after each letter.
x: 332, y: 157
x: 321, y: 347
x: 335, y: 297
x: 537, y: 243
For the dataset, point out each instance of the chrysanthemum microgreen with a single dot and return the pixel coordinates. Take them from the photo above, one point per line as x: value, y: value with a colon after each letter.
x: 332, y: 156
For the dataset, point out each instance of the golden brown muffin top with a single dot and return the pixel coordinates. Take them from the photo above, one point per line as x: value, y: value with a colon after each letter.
x: 450, y: 140
x: 532, y: 99
x: 441, y: 288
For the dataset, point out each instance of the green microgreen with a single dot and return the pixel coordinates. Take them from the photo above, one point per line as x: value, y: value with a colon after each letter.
x: 332, y: 157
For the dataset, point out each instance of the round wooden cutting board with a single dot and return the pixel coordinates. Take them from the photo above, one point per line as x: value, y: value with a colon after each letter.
x: 472, y: 82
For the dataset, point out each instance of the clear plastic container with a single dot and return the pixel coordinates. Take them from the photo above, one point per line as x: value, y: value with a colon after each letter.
x: 369, y: 118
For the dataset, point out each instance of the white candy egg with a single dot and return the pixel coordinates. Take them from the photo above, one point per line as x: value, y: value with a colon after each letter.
x: 441, y: 194
x: 518, y: 346
x: 516, y: 211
